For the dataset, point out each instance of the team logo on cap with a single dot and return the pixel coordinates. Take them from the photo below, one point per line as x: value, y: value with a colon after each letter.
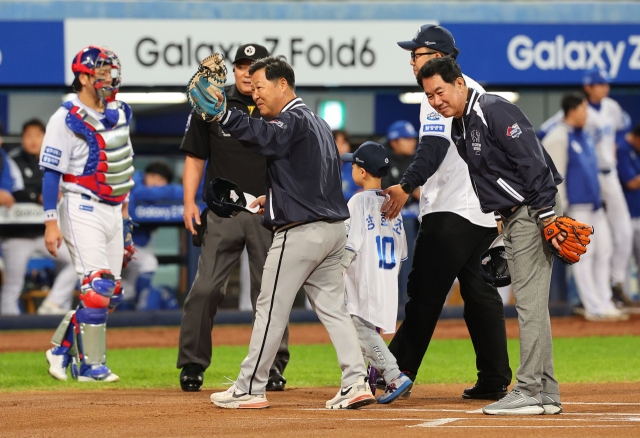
x: 386, y: 160
x: 249, y: 50
x: 514, y: 131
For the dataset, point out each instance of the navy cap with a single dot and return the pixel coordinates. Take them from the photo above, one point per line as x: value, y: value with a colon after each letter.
x: 401, y: 129
x: 252, y: 52
x: 596, y: 76
x: 432, y: 37
x: 371, y: 156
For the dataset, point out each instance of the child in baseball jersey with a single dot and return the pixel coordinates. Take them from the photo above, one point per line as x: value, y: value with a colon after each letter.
x: 374, y: 251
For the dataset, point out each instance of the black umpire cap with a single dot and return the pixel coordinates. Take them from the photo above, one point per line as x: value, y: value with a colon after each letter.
x: 252, y: 52
x: 432, y: 37
x: 226, y: 199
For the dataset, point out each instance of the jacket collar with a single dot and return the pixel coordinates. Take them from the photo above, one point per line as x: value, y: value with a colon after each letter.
x: 295, y: 103
x: 472, y: 98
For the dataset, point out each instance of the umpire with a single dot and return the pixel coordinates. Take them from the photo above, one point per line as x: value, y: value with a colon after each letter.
x: 453, y: 234
x: 223, y: 239
x: 514, y: 178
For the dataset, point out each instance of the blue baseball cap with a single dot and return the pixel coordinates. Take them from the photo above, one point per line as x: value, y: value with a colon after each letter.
x: 401, y: 129
x: 596, y: 76
x: 432, y: 37
x: 371, y: 156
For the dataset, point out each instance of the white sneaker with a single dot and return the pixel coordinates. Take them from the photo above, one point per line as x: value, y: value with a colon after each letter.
x: 352, y: 397
x: 611, y: 315
x: 57, y: 365
x: 49, y: 308
x: 233, y: 398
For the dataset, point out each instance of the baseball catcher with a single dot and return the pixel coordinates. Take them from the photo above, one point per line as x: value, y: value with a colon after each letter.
x: 203, y: 86
x: 576, y: 238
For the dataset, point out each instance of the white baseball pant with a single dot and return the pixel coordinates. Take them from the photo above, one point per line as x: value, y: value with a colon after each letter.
x: 592, y: 272
x: 93, y: 233
x: 17, y: 252
x: 620, y: 225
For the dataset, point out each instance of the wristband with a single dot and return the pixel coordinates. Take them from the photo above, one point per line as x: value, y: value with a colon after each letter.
x: 406, y: 187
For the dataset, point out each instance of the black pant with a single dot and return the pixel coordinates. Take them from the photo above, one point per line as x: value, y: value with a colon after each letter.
x: 449, y: 246
x: 222, y: 245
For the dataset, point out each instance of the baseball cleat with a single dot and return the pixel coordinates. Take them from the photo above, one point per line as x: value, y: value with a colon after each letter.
x: 353, y: 396
x: 97, y: 373
x: 395, y: 389
x: 551, y: 403
x: 515, y: 403
x: 233, y: 398
x: 481, y: 392
x: 58, y: 364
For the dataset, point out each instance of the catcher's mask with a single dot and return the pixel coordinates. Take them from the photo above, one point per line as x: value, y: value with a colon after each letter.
x: 226, y: 199
x: 493, y: 264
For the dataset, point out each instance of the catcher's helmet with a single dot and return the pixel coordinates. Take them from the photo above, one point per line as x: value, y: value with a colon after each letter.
x: 226, y: 199
x: 93, y: 57
x: 493, y: 264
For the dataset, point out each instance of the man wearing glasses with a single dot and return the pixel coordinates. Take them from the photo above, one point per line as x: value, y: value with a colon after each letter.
x: 453, y: 235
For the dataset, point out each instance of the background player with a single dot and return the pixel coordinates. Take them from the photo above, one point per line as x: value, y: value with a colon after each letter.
x: 573, y: 153
x: 223, y: 239
x: 629, y: 172
x: 375, y: 249
x: 154, y: 186
x: 23, y: 241
x: 87, y: 145
x: 605, y: 119
x: 453, y: 234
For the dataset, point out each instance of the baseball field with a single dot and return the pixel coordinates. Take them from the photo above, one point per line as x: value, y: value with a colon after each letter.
x: 597, y: 364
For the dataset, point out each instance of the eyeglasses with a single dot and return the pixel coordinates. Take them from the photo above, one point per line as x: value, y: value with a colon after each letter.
x: 414, y: 55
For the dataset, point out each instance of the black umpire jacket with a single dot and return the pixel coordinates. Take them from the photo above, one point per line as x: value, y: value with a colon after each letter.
x: 303, y: 167
x: 507, y: 164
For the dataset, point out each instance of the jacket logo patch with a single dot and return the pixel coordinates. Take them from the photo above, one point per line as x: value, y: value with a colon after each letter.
x: 277, y: 122
x: 50, y: 160
x: 86, y: 208
x: 475, y: 141
x: 514, y: 131
x: 433, y: 128
x: 53, y: 151
x: 434, y: 116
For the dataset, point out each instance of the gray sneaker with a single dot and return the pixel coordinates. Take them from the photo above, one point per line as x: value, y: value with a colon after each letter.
x: 515, y: 403
x: 551, y: 403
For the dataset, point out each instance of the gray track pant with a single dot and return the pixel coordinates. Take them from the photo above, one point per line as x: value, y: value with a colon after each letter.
x: 307, y: 255
x: 375, y: 350
x: 530, y: 263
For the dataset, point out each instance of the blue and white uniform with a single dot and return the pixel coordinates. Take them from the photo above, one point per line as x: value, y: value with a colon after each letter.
x: 573, y: 152
x: 604, y: 121
x: 628, y: 169
x: 93, y: 156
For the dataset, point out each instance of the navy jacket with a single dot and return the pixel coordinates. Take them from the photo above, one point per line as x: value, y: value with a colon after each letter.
x: 303, y: 167
x: 508, y: 165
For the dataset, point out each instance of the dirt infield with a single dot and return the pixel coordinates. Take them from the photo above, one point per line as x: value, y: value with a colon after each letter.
x: 611, y: 410
x: 591, y: 410
x: 305, y: 334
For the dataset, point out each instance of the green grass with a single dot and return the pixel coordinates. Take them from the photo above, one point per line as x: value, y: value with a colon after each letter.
x: 593, y: 359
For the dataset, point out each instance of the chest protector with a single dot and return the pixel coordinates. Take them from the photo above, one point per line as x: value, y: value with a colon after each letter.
x: 110, y: 165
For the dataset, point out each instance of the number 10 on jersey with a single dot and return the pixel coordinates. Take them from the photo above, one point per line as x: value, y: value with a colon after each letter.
x: 386, y: 250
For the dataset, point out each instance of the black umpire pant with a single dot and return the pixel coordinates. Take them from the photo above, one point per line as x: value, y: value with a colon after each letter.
x: 222, y: 244
x: 449, y: 246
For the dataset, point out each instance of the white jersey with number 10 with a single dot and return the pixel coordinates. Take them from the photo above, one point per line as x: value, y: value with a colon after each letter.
x: 371, y: 281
